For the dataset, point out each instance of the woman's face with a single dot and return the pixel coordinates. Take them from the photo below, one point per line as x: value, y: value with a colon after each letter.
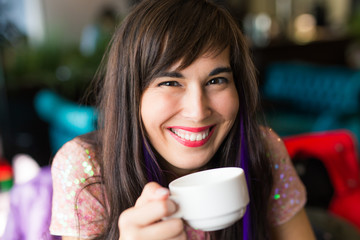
x: 188, y: 113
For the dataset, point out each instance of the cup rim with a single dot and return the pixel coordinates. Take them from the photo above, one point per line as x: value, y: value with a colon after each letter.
x: 173, y: 184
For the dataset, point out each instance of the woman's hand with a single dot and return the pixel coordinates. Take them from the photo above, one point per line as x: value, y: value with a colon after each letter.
x: 144, y: 220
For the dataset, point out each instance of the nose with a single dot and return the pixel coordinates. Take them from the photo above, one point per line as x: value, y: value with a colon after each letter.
x: 196, y: 104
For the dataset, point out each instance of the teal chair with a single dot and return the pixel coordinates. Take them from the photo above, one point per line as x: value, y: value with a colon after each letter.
x: 303, y: 97
x: 66, y: 118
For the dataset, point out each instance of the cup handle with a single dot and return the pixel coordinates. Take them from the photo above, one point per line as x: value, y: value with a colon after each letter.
x: 178, y: 213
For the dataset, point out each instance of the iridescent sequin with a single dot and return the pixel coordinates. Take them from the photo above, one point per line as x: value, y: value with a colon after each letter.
x: 74, y: 207
x: 288, y: 195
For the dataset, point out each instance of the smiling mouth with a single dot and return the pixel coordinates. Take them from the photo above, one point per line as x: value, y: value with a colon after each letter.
x: 192, y: 137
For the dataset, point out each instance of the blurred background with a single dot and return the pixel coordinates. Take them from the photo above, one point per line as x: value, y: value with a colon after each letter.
x: 307, y: 53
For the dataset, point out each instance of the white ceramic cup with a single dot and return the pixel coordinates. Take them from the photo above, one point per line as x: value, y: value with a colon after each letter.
x: 211, y: 200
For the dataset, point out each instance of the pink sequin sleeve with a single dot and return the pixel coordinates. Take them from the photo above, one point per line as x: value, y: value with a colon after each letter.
x: 288, y: 195
x: 77, y: 208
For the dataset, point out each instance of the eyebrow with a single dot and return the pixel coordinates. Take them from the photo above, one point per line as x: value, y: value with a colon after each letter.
x: 171, y: 74
x: 219, y: 70
x: 214, y: 72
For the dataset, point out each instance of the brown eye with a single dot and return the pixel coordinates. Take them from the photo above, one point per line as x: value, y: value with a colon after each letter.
x: 169, y: 84
x: 219, y: 80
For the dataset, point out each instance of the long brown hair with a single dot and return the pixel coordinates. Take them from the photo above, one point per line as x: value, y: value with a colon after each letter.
x: 154, y: 36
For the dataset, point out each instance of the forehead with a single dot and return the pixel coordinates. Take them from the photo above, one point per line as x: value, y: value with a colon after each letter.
x: 211, y: 58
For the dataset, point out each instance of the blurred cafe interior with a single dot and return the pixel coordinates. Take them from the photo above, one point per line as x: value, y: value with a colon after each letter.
x: 307, y: 54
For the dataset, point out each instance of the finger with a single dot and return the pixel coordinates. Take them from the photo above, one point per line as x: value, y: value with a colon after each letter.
x: 182, y: 236
x: 152, y: 191
x: 155, y: 211
x: 147, y: 214
x: 169, y: 229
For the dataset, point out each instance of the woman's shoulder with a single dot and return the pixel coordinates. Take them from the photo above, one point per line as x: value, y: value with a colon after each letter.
x: 78, y: 153
x: 288, y: 195
x: 77, y: 191
x: 274, y: 143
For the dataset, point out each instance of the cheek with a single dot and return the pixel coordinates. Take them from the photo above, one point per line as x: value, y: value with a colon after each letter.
x: 155, y: 109
x: 227, y: 105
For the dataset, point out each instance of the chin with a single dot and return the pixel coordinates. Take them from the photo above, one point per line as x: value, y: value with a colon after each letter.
x: 188, y: 168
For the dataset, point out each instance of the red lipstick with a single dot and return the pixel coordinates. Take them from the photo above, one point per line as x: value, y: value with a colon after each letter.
x: 190, y: 131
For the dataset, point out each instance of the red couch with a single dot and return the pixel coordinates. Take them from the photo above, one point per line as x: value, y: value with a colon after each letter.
x: 337, y: 151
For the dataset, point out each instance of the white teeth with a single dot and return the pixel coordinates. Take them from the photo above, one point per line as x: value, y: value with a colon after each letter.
x: 191, y: 136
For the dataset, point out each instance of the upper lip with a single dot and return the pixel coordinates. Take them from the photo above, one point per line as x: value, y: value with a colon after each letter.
x: 192, y: 129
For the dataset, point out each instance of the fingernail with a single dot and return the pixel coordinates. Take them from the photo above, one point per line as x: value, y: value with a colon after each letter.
x: 162, y: 192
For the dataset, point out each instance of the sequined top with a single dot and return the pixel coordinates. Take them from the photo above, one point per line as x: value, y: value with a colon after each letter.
x: 79, y: 211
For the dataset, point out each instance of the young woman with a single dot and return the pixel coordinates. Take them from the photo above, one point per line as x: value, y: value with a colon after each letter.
x: 179, y: 96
